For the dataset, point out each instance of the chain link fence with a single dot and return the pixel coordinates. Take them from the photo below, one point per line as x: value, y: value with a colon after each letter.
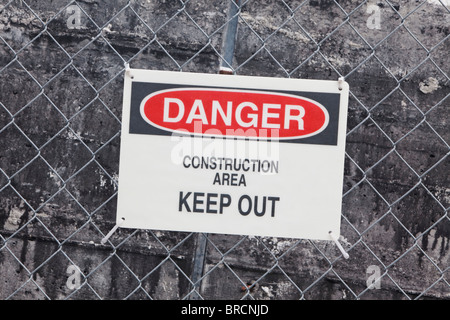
x: 61, y: 75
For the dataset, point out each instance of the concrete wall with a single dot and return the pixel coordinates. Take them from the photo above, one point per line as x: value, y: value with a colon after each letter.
x: 61, y: 79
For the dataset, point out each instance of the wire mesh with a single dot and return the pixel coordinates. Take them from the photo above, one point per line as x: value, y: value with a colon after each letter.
x: 61, y: 71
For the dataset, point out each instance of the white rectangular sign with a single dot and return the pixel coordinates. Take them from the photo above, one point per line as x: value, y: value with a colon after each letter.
x: 232, y: 154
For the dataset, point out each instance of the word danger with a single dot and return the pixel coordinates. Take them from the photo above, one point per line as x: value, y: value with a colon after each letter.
x: 200, y: 202
x: 234, y: 113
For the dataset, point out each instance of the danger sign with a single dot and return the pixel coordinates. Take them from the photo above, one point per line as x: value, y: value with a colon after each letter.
x: 232, y: 154
x: 230, y: 113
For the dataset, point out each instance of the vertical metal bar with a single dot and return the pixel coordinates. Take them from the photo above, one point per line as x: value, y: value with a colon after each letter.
x: 225, y: 68
x: 229, y: 41
x: 198, y: 265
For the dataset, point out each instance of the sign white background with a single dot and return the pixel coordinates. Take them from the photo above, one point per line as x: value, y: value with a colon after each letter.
x: 308, y: 183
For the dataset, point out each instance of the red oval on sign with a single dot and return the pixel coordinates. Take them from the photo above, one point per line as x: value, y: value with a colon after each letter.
x: 234, y: 113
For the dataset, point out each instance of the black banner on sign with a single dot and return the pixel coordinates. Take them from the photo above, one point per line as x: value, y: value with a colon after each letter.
x: 327, y: 135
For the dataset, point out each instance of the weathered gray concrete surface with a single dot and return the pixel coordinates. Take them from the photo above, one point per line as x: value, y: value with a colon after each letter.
x: 61, y: 94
